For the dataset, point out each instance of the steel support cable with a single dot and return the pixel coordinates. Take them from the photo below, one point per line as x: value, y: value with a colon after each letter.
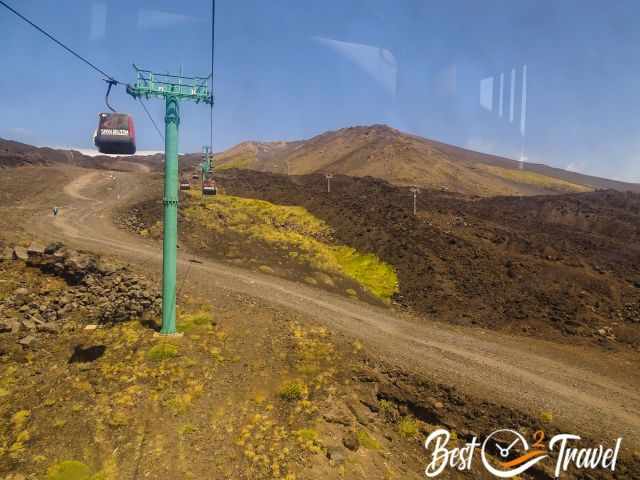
x: 109, y: 78
x: 213, y: 16
x: 151, y: 118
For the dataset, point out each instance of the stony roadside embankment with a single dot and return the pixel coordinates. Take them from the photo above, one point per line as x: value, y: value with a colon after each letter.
x: 89, y: 290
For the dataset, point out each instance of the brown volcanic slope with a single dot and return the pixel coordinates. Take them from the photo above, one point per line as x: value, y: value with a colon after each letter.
x: 377, y: 151
x: 403, y: 159
x: 556, y: 266
x: 16, y: 154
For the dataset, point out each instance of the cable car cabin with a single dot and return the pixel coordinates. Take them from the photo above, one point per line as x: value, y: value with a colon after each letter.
x: 185, y: 185
x: 115, y: 134
x: 209, y: 188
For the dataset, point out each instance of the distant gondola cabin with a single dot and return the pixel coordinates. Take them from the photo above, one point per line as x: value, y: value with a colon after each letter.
x: 115, y: 134
x: 209, y: 188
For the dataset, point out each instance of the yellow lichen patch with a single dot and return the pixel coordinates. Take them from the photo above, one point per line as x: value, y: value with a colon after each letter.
x: 367, y: 440
x: 187, y: 429
x: 216, y: 354
x: 388, y: 410
x: 408, y: 427
x: 162, y: 351
x: 314, y: 357
x: 307, y: 438
x: 20, y: 418
x: 17, y: 448
x: 188, y: 322
x: 180, y: 402
x: 265, y: 446
x: 130, y: 332
x: 8, y: 380
x: 296, y: 234
x: 293, y: 390
x: 237, y: 161
x: 69, y: 470
x: 367, y: 269
x: 536, y: 179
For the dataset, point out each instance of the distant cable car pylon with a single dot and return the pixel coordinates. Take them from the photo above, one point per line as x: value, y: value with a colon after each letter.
x: 328, y: 176
x: 415, y: 191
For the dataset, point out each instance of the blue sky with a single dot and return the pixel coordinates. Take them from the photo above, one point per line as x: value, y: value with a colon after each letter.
x: 290, y: 69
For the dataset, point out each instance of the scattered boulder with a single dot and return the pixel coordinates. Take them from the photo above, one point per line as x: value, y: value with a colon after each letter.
x: 100, y: 290
x: 338, y: 415
x: 47, y: 327
x: 369, y: 399
x: 35, y: 248
x: 10, y: 325
x: 336, y: 455
x: 20, y: 253
x: 350, y: 440
x: 104, y: 267
x: 53, y: 248
x: 15, y: 476
x: 359, y: 412
x: 27, y: 341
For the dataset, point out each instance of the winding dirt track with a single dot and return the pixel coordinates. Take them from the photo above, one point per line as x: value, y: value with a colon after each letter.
x: 590, y: 392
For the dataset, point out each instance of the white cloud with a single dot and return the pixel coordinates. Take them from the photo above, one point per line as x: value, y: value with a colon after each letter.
x: 90, y: 152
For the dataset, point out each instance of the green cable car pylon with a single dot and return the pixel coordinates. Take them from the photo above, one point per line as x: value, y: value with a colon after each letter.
x: 173, y: 88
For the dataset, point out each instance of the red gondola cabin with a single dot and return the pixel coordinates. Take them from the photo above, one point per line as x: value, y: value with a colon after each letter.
x: 116, y: 134
x: 209, y: 187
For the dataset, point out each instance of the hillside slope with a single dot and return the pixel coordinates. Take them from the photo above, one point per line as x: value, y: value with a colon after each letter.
x: 403, y: 159
x: 377, y: 151
x: 557, y: 266
x: 16, y: 154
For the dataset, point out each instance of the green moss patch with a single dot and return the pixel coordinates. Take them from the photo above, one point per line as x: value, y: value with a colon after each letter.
x: 162, y: 351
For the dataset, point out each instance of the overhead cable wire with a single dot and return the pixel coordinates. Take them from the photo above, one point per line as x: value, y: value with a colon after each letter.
x: 213, y: 16
x: 151, y: 118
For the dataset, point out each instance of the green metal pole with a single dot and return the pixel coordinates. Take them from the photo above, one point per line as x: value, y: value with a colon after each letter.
x: 170, y: 233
